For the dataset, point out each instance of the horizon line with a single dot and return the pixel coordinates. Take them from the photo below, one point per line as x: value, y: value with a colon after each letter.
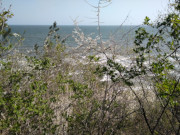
x: 73, y: 25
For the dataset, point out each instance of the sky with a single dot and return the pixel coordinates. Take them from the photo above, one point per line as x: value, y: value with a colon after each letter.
x: 45, y: 12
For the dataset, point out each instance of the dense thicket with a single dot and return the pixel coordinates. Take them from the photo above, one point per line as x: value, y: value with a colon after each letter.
x: 54, y: 92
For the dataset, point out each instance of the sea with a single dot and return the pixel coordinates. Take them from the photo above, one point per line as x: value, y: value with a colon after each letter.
x: 121, y: 35
x: 36, y: 34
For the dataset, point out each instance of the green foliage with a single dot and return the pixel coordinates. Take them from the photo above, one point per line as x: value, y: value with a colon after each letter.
x: 25, y: 108
x: 47, y: 97
x: 83, y: 98
x: 39, y: 64
x: 53, y: 39
x: 80, y: 91
x: 156, y: 58
x: 94, y: 58
x: 169, y: 90
x: 5, y: 32
x: 20, y: 108
x: 167, y: 37
x: 146, y: 20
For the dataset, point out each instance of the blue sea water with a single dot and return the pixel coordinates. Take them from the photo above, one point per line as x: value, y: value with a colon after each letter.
x: 122, y: 35
x: 36, y: 34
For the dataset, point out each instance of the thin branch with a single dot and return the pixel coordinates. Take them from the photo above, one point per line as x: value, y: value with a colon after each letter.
x: 167, y: 103
x: 143, y: 111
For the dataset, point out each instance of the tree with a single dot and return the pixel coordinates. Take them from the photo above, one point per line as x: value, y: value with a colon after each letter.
x: 158, y: 60
x: 5, y: 31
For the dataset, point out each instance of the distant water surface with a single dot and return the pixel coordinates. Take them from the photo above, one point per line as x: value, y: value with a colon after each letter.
x: 36, y: 34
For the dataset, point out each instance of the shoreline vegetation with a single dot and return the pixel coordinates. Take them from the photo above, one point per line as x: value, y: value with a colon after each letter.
x: 96, y: 88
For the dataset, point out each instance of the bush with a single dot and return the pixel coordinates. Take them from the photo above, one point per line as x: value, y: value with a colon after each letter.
x: 54, y: 93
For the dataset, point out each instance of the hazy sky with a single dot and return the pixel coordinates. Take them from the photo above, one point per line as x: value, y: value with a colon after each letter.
x: 45, y: 12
